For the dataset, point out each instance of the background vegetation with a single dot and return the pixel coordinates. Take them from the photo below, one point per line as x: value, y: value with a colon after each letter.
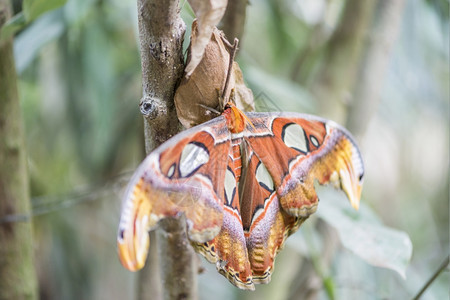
x: 79, y: 84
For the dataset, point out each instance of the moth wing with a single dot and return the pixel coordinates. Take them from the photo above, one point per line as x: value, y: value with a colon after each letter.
x: 183, y: 175
x: 266, y: 225
x: 228, y: 249
x: 298, y: 149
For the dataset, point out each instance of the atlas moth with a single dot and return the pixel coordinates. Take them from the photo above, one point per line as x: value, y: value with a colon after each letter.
x: 244, y: 182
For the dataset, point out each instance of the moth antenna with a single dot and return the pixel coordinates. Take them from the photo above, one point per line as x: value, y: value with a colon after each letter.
x: 209, y: 108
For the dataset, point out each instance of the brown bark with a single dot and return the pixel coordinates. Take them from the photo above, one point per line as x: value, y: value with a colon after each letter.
x: 161, y: 33
x: 17, y: 272
x: 149, y: 281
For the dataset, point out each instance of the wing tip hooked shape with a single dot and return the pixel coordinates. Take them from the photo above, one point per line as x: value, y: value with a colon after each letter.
x: 348, y: 173
x: 133, y: 239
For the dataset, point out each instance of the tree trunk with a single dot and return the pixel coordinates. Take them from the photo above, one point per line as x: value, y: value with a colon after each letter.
x: 344, y: 53
x: 17, y: 273
x: 161, y: 33
x: 373, y: 67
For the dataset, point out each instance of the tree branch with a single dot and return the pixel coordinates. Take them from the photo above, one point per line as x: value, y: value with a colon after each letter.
x: 161, y: 33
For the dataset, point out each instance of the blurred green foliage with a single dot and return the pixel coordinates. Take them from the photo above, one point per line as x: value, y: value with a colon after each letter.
x: 80, y: 88
x: 31, y: 9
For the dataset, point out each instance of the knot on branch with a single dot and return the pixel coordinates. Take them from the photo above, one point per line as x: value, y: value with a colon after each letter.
x: 148, y: 107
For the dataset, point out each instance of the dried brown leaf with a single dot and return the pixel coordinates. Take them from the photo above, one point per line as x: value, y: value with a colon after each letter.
x: 208, y: 13
x: 204, y: 87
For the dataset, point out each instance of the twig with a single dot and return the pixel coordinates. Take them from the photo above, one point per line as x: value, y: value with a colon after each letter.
x: 233, y: 51
x: 430, y: 281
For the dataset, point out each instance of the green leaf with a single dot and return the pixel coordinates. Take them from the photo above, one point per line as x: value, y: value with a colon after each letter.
x: 31, y: 10
x: 329, y: 286
x: 12, y: 26
x: 34, y: 8
x: 30, y: 41
x: 362, y: 232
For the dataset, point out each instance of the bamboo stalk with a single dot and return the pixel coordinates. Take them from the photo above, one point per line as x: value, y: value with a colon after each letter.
x: 17, y: 272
